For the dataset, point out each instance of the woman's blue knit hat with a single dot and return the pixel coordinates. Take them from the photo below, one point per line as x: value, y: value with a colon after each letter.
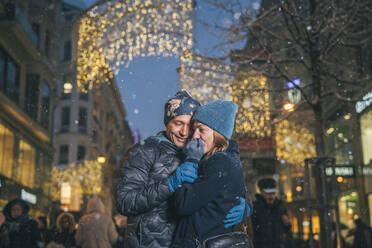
x: 218, y: 115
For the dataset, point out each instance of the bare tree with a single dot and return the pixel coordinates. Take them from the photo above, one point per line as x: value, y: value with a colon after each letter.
x: 326, y: 44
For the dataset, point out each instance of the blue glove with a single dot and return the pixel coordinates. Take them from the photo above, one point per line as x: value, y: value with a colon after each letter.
x: 236, y: 214
x: 194, y: 150
x: 187, y: 172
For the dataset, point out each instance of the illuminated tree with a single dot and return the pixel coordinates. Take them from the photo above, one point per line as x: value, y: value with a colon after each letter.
x: 87, y: 174
x: 253, y: 117
x: 113, y: 33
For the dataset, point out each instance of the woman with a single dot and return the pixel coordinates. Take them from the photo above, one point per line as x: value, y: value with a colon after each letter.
x: 18, y: 229
x: 203, y: 205
x: 64, y: 233
x: 96, y: 229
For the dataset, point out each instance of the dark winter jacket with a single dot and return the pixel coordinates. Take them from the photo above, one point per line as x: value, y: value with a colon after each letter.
x: 143, y: 192
x: 269, y: 229
x: 21, y: 231
x: 204, y: 204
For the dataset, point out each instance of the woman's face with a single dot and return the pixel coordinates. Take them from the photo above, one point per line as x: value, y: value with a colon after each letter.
x: 204, y: 133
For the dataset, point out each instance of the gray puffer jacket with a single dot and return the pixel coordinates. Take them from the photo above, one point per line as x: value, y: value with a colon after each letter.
x: 143, y: 192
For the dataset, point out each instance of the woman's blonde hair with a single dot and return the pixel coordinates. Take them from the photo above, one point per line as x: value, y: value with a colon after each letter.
x: 220, y: 144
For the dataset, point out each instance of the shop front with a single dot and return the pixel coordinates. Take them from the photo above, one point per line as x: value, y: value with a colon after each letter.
x: 24, y: 171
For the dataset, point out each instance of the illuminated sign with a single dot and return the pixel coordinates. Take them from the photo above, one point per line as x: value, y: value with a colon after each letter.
x: 28, y: 197
x: 292, y: 84
x: 343, y: 171
x: 362, y: 105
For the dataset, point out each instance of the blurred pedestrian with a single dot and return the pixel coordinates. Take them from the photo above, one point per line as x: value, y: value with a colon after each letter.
x: 121, y: 228
x: 45, y: 233
x: 64, y: 234
x: 362, y: 235
x: 96, y: 229
x: 19, y: 229
x: 271, y: 225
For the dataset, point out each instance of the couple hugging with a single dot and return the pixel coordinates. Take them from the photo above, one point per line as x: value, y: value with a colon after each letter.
x: 185, y: 184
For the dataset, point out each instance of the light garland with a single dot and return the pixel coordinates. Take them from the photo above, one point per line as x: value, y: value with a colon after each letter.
x: 249, y: 91
x: 294, y: 143
x: 87, y: 174
x: 206, y: 80
x: 112, y: 34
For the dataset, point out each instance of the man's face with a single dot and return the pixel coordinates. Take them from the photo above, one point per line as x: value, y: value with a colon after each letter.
x: 269, y: 197
x: 16, y: 211
x: 178, y: 130
x: 65, y: 222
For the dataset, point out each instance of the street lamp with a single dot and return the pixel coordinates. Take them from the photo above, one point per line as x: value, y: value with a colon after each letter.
x: 101, y: 159
x: 289, y: 107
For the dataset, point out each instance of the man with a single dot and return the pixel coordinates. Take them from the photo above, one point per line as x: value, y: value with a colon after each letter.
x: 271, y: 226
x: 153, y: 172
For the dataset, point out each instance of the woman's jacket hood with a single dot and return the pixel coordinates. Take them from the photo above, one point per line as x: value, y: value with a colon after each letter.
x: 95, y: 205
x: 59, y: 222
x: 9, y: 205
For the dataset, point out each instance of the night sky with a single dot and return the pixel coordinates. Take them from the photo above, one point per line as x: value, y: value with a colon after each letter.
x: 149, y: 82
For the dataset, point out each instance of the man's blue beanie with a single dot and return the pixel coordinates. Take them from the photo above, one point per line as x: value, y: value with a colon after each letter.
x: 218, y: 115
x: 180, y: 104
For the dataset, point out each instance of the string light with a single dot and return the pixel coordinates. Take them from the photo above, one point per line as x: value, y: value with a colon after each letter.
x: 205, y: 79
x: 249, y: 91
x: 87, y: 174
x: 112, y: 34
x: 294, y: 142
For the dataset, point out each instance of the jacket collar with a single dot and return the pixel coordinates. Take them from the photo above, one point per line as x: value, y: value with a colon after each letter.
x: 165, y: 142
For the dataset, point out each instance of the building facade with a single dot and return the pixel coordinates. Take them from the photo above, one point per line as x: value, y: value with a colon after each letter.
x: 91, y: 133
x: 27, y: 97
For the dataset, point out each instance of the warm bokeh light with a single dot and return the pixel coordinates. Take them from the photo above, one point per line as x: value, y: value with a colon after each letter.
x: 288, y: 107
x: 250, y: 91
x: 204, y: 78
x: 294, y: 142
x: 340, y: 179
x: 112, y: 34
x: 88, y: 175
x: 101, y: 159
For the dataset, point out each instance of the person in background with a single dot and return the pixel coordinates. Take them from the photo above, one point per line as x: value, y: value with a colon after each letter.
x: 362, y: 235
x: 271, y: 225
x: 121, y: 228
x: 96, y: 229
x: 45, y: 233
x: 64, y: 234
x: 18, y: 230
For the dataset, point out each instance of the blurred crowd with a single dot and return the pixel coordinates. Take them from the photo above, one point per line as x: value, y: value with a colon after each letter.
x: 95, y: 228
x: 269, y: 223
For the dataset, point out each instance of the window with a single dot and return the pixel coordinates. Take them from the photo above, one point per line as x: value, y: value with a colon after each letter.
x: 84, y: 96
x: 47, y: 43
x: 65, y: 119
x: 81, y: 153
x: 6, y: 151
x: 2, y: 70
x: 45, y: 105
x: 9, y: 76
x: 32, y: 95
x: 83, y: 120
x: 63, y: 154
x: 67, y: 51
x: 36, y: 29
x: 26, y: 164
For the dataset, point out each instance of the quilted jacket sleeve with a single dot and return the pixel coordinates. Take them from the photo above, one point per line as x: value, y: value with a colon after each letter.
x: 135, y: 195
